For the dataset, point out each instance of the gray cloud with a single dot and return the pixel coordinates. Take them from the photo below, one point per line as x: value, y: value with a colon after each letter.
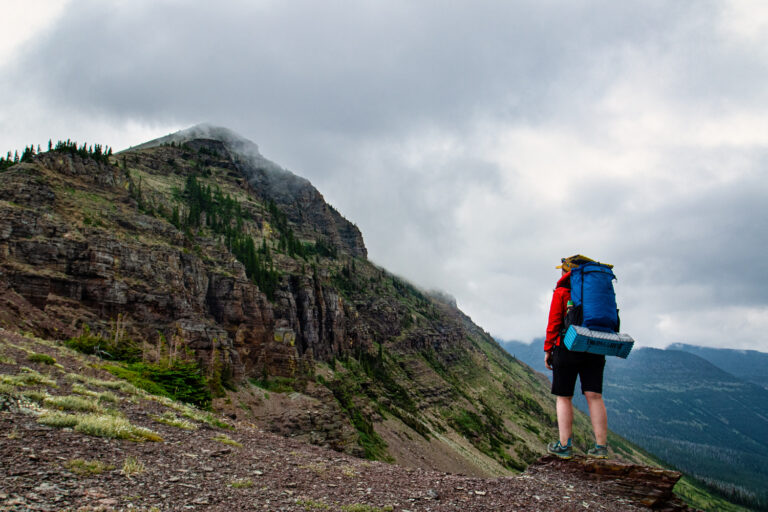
x: 473, y: 143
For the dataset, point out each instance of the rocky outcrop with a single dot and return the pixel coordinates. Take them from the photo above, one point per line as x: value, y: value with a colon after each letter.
x: 74, y: 244
x: 297, y: 197
x: 629, y: 483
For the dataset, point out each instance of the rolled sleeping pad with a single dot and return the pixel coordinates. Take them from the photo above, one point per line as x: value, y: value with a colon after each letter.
x: 581, y: 339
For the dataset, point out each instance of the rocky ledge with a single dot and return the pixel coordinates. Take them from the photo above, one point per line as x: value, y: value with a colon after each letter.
x: 627, y: 483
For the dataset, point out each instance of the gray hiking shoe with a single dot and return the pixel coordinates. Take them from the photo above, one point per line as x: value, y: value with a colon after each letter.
x: 558, y: 450
x: 599, y: 451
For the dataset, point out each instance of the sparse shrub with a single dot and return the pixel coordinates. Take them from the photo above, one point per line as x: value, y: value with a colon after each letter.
x: 114, y: 348
x: 27, y: 377
x: 7, y: 389
x: 4, y: 359
x: 84, y: 467
x: 105, y: 396
x: 182, y: 381
x: 168, y: 418
x: 72, y: 403
x: 310, y: 504
x: 120, y: 385
x: 99, y: 425
x: 191, y: 412
x: 241, y: 483
x: 133, y: 466
x: 359, y: 507
x: 58, y: 419
x: 41, y: 358
x: 82, y: 390
x: 223, y: 438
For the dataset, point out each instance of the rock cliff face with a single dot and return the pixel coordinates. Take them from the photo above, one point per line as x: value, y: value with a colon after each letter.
x: 196, y: 240
x: 71, y: 234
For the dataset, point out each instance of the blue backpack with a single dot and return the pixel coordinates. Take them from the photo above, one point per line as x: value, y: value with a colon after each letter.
x: 594, y: 300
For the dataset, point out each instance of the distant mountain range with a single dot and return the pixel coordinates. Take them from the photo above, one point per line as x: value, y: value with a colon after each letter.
x: 749, y: 365
x: 689, y: 411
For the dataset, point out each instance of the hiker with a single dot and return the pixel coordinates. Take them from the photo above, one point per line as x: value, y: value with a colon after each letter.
x: 566, y: 365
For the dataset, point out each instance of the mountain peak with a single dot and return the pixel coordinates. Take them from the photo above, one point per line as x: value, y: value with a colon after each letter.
x: 204, y: 131
x: 240, y: 148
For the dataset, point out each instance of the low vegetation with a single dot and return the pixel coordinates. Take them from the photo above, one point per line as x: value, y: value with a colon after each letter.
x: 241, y: 483
x: 27, y: 377
x: 181, y: 380
x: 169, y: 418
x: 104, y: 396
x: 41, y: 358
x: 225, y: 439
x: 168, y: 369
x: 72, y: 403
x: 132, y: 466
x: 82, y: 467
x: 98, y: 425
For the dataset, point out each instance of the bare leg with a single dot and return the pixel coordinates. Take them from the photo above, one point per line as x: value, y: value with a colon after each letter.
x: 564, y: 408
x: 598, y: 416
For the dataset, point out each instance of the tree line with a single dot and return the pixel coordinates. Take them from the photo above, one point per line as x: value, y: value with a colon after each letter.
x: 95, y: 152
x: 224, y: 216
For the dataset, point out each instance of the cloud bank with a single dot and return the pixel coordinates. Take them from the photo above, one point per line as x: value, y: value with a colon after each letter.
x: 473, y: 143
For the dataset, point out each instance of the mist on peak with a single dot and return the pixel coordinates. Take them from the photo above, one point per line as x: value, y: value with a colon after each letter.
x: 281, y: 183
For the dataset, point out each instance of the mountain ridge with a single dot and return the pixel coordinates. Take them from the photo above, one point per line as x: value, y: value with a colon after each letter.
x: 176, y: 245
x: 749, y: 365
x: 180, y: 254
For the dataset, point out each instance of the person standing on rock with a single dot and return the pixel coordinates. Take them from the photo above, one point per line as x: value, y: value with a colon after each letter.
x: 566, y: 365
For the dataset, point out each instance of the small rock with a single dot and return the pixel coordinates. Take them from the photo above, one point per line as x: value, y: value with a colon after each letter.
x: 480, y: 493
x: 32, y: 496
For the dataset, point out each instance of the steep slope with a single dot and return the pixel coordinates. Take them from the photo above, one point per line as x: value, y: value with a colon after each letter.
x: 695, y: 416
x: 195, y: 250
x: 75, y: 438
x: 689, y: 413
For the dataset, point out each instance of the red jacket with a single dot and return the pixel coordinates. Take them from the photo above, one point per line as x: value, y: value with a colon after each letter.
x: 557, y: 310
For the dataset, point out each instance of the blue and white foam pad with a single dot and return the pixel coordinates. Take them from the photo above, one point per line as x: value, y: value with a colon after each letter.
x: 581, y: 339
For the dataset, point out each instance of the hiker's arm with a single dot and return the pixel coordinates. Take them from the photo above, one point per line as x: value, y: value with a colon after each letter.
x: 556, y: 318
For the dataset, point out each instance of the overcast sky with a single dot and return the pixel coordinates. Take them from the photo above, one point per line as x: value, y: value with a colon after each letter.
x: 474, y: 143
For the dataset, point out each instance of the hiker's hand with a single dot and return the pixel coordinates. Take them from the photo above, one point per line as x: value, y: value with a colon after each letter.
x: 548, y: 360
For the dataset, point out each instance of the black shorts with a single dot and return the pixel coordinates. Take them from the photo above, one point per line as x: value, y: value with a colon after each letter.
x: 567, y: 365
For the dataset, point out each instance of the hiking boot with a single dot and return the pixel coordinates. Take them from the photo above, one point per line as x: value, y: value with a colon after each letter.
x: 558, y: 450
x: 599, y: 451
